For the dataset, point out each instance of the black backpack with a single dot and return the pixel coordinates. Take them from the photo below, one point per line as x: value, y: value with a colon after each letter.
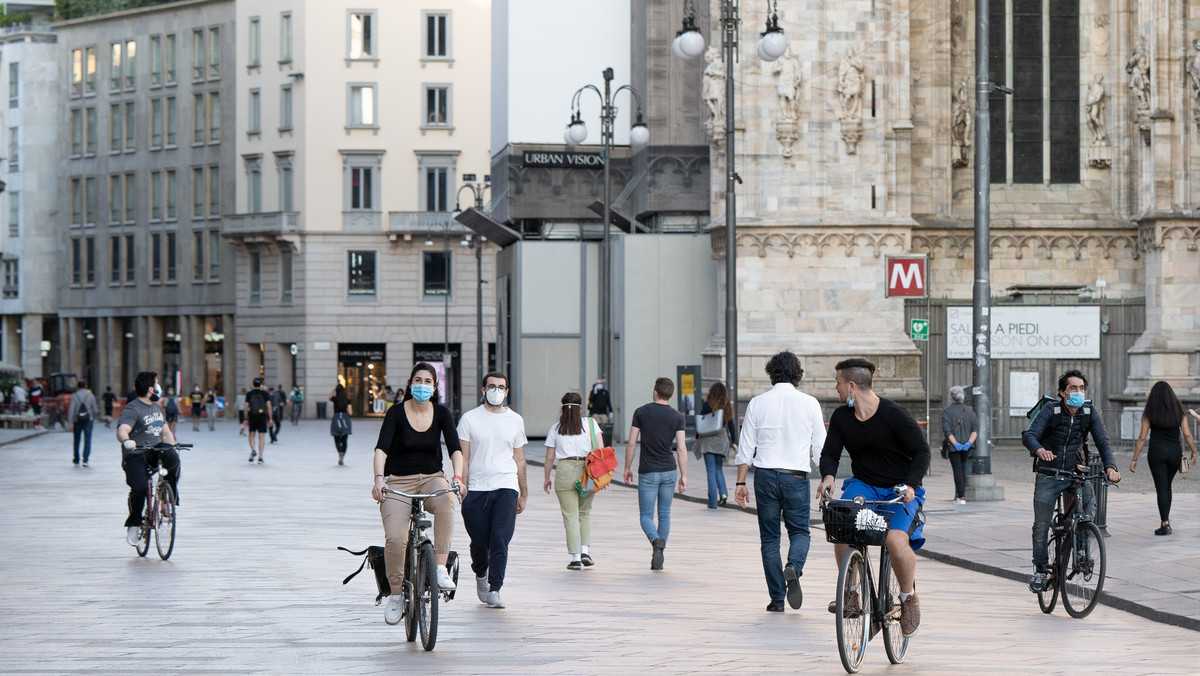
x: 83, y: 416
x: 257, y: 399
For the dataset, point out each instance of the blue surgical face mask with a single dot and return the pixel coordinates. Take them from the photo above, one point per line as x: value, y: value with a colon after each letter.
x: 1075, y: 399
x: 422, y: 393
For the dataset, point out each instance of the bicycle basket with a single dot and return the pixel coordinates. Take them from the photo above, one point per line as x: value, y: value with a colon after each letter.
x: 850, y: 524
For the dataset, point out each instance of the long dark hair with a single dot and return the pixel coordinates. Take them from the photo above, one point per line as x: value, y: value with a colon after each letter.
x: 1163, y: 408
x: 422, y: 366
x: 570, y: 419
x: 718, y: 400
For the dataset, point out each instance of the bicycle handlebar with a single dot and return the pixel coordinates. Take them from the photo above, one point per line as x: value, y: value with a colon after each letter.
x: 899, y: 489
x: 421, y: 496
x: 1077, y: 473
x: 143, y: 449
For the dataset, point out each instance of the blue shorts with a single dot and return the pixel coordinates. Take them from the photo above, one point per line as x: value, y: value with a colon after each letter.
x: 906, y: 517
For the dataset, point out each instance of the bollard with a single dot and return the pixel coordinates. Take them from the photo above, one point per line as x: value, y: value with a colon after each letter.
x: 321, y: 410
x: 1100, y: 495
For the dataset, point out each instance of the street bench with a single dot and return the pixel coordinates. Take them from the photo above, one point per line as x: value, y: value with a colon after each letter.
x: 17, y: 421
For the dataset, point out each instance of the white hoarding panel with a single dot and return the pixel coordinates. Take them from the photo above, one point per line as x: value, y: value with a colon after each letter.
x: 1029, y: 332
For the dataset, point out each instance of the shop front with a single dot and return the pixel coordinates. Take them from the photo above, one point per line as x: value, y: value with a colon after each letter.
x: 362, y: 369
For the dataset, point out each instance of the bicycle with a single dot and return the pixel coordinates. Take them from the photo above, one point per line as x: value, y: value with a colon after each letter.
x: 1075, y: 549
x: 160, y: 511
x: 420, y: 574
x: 853, y: 523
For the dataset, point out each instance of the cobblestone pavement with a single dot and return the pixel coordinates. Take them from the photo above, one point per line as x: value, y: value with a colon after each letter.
x: 254, y: 584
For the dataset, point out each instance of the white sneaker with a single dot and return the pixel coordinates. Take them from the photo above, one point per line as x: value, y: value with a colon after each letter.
x: 493, y: 600
x: 133, y: 536
x: 960, y: 501
x: 443, y: 577
x: 482, y: 589
x: 394, y: 611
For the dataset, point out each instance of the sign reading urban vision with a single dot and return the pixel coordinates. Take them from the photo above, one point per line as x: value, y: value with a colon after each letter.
x: 1028, y: 332
x: 533, y: 158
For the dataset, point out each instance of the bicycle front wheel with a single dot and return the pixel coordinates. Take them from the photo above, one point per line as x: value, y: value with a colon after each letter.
x: 164, y: 521
x: 889, y: 599
x: 1048, y: 597
x: 426, y: 589
x: 1083, y: 573
x: 851, y: 609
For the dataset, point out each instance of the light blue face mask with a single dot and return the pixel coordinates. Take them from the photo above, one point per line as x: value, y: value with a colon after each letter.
x: 1075, y: 399
x: 422, y: 393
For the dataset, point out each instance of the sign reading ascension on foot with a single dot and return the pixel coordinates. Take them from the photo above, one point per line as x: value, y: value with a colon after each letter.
x: 1029, y: 332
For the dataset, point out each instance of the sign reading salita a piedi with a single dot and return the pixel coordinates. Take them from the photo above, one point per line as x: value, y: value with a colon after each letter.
x: 1028, y: 332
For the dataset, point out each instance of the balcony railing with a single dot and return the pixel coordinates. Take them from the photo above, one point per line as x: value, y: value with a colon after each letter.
x: 261, y: 224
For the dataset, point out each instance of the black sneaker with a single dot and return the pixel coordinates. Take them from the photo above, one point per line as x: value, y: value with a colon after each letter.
x: 656, y: 559
x: 586, y: 559
x: 575, y: 565
x: 794, y: 594
x: 775, y: 606
x: 1164, y: 530
x: 253, y: 454
x: 1040, y: 581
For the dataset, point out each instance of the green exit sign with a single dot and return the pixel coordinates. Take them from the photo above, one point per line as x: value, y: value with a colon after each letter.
x: 918, y: 329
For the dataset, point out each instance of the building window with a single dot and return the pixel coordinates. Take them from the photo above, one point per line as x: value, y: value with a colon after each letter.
x: 197, y: 192
x: 214, y: 116
x: 116, y: 66
x: 89, y: 187
x: 171, y: 208
x: 171, y: 122
x: 130, y: 121
x: 156, y: 200
x: 362, y: 273
x: 214, y: 191
x: 156, y: 124
x: 114, y: 128
x: 255, y: 48
x: 198, y: 119
x: 114, y: 198
x: 114, y: 259
x: 437, y: 105
x: 214, y: 254
x: 214, y: 53
x: 255, y: 277
x: 76, y: 132
x: 361, y: 189
x: 130, y: 260
x: 155, y: 257
x: 362, y: 35
x: 436, y: 274
x: 76, y: 201
x: 14, y: 148
x: 437, y: 36
x: 76, y: 262
x: 285, y: 108
x: 1035, y: 132
x: 198, y: 60
x: 14, y: 214
x: 76, y: 72
x: 198, y: 255
x: 130, y: 64
x: 89, y: 56
x: 254, y: 190
x: 285, y: 37
x: 89, y: 131
x: 90, y: 260
x: 254, y: 124
x: 285, y: 276
x: 14, y: 85
x: 130, y: 195
x: 12, y: 279
x: 285, y: 189
x: 170, y: 256
x: 170, y: 57
x: 437, y: 189
x: 362, y: 106
x: 156, y: 61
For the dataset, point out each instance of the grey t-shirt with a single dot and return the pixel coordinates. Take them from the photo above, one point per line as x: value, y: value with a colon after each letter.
x: 146, y: 421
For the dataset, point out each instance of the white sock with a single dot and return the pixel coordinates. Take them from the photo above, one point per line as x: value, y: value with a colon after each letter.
x: 576, y: 557
x: 584, y: 549
x: 904, y: 595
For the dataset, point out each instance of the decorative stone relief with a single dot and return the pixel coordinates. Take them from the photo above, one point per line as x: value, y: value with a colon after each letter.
x: 808, y: 242
x: 1138, y: 68
x: 1193, y: 71
x: 714, y: 94
x: 1015, y: 244
x: 960, y: 123
x: 1099, y: 35
x: 958, y: 28
x: 850, y: 93
x: 1099, y: 155
x: 787, y: 86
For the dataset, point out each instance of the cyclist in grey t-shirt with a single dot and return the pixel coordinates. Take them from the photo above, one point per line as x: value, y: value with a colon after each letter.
x: 143, y: 424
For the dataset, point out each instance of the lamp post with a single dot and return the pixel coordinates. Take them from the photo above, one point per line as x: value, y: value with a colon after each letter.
x: 638, y: 136
x: 477, y: 189
x: 689, y: 44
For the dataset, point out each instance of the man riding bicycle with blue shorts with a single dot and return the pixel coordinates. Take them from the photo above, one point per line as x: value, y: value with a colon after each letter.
x: 142, y: 425
x: 887, y: 448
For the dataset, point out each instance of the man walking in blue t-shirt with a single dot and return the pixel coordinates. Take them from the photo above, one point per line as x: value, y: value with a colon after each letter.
x: 658, y: 425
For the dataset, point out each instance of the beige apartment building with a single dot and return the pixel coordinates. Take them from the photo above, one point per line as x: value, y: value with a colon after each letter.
x: 354, y: 127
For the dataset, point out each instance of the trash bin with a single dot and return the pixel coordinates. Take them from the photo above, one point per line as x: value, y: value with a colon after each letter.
x: 1100, y: 495
x: 606, y: 429
x: 321, y: 409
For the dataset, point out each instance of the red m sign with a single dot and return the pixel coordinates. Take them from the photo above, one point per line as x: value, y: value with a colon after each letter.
x: 906, y: 276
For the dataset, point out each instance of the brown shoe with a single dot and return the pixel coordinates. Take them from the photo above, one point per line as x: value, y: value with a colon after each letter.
x: 910, y: 615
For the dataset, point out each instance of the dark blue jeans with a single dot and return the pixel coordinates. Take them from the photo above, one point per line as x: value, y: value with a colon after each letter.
x: 1045, y: 493
x: 490, y: 518
x: 714, y: 467
x: 782, y: 497
x: 85, y: 430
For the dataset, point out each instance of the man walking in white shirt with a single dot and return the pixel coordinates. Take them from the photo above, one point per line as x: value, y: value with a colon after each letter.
x: 782, y: 437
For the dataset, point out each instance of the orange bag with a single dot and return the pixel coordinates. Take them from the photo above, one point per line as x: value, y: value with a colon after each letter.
x: 599, y: 467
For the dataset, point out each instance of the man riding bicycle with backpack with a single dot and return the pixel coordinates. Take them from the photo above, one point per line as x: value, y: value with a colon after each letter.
x: 142, y: 425
x: 1056, y: 438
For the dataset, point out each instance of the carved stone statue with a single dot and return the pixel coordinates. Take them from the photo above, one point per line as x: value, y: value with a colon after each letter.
x: 850, y: 93
x: 1138, y: 68
x: 958, y: 28
x: 960, y: 123
x: 1095, y: 110
x: 714, y: 91
x: 787, y: 85
x: 1193, y: 71
x: 1100, y: 32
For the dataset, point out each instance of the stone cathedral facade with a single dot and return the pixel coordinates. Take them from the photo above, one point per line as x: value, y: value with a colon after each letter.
x: 859, y: 144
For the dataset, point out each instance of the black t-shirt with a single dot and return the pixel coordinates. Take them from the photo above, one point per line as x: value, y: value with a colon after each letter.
x: 411, y: 452
x: 658, y: 424
x: 340, y: 403
x: 887, y: 449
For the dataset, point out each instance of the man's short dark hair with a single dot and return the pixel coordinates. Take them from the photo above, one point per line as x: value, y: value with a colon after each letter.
x: 495, y: 374
x: 784, y: 367
x: 143, y: 382
x: 857, y: 370
x: 1073, y: 373
x: 664, y: 388
x: 81, y: 384
x: 258, y: 382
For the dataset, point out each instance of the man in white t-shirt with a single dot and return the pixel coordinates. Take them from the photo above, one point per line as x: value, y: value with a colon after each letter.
x: 494, y: 492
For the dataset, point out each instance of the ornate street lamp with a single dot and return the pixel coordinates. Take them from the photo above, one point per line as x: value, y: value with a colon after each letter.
x: 477, y: 189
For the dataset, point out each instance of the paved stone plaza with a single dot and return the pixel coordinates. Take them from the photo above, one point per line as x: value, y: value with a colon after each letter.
x: 254, y: 584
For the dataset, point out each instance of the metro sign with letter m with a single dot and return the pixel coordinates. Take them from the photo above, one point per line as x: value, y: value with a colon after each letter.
x: 907, y: 276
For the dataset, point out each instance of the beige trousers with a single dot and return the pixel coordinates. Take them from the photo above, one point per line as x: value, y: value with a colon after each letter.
x: 576, y: 511
x: 396, y: 512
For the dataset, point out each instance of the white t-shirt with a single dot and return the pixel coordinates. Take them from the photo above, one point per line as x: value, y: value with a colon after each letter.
x: 573, y: 445
x: 492, y: 436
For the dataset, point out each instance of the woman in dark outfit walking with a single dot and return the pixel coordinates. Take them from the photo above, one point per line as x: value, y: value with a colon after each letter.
x: 1162, y: 418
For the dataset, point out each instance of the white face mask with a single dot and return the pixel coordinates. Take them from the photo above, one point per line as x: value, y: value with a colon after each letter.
x: 495, y: 397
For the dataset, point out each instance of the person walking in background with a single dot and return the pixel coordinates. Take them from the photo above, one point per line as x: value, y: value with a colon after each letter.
x: 110, y: 400
x: 80, y: 415
x: 170, y: 405
x: 196, y: 400
x: 599, y: 402
x: 278, y: 402
x: 239, y: 403
x: 340, y: 426
x: 658, y: 425
x: 297, y: 398
x: 493, y: 446
x: 1162, y: 419
x: 258, y: 416
x: 782, y: 437
x: 569, y: 441
x: 714, y: 448
x: 210, y: 409
x: 959, y: 429
x: 35, y: 397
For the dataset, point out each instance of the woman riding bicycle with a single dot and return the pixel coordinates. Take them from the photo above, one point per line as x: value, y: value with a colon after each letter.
x: 408, y: 458
x: 143, y: 424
